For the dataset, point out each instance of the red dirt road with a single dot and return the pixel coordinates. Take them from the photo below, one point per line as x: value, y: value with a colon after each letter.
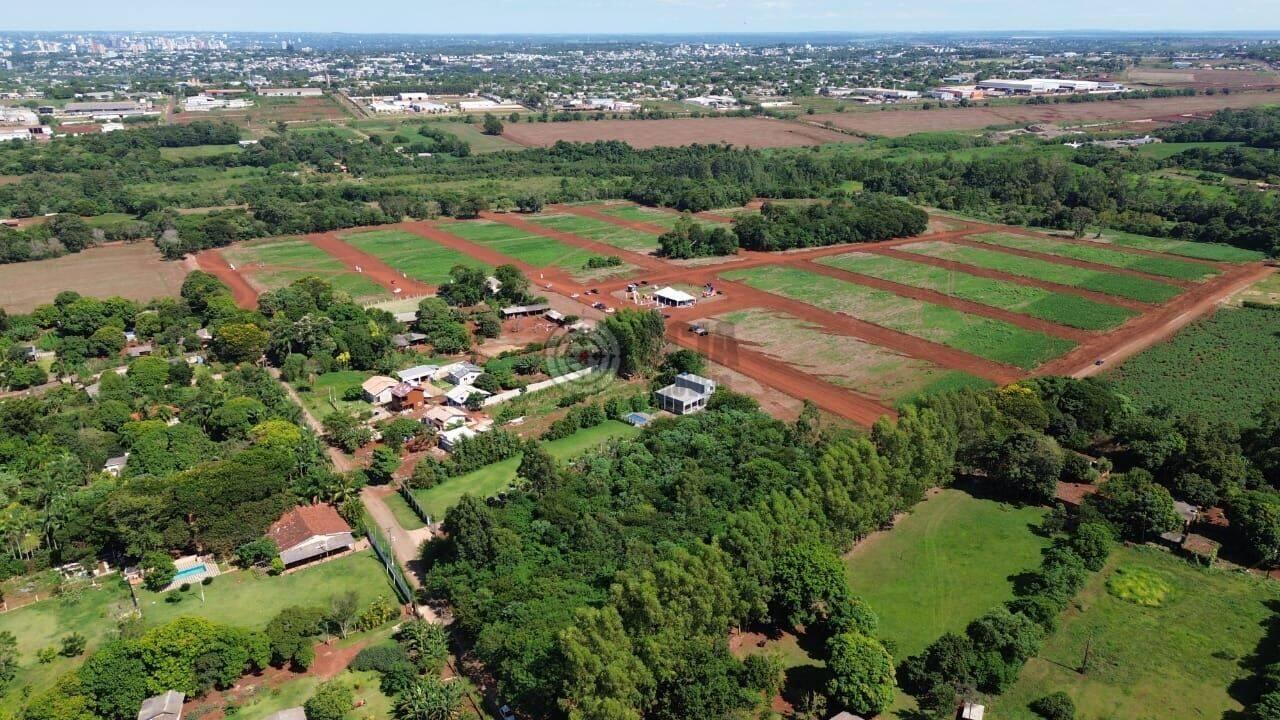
x: 373, y: 268
x: 212, y: 262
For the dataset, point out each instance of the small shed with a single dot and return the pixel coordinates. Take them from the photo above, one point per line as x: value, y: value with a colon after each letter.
x: 972, y: 711
x: 514, y: 311
x: 458, y: 396
x: 408, y: 340
x: 846, y: 715
x: 293, y: 713
x: 138, y: 351
x: 115, y: 466
x: 166, y: 706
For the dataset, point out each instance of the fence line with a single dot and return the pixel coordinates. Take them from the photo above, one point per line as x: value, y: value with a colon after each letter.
x: 382, y: 549
x: 413, y: 503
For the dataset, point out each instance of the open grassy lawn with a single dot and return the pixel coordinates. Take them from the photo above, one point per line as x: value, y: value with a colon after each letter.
x: 1069, y: 310
x: 943, y: 565
x: 1164, y: 151
x: 325, y: 395
x: 1176, y: 660
x: 985, y: 337
x: 1165, y: 267
x: 92, y: 612
x: 1219, y: 367
x: 277, y: 263
x: 839, y: 359
x: 1125, y: 286
x: 491, y: 479
x: 601, y: 231
x: 414, y: 255
x: 250, y: 599
x: 480, y: 143
x: 405, y: 516
x: 294, y: 693
x: 654, y: 216
x: 1265, y: 291
x: 197, y: 151
x: 1186, y: 248
x: 536, y: 250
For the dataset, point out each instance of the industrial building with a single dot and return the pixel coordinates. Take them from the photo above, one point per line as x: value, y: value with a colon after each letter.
x: 291, y: 92
x: 1043, y: 86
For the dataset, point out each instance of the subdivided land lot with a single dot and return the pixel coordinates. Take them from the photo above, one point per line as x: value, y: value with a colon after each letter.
x: 1165, y: 267
x: 1125, y: 286
x: 1221, y: 367
x: 1069, y: 310
x: 984, y: 337
x: 839, y: 359
x: 742, y: 132
x: 411, y: 254
x: 278, y: 262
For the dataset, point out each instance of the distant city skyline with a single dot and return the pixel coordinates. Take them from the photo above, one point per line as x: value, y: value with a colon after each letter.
x: 648, y: 17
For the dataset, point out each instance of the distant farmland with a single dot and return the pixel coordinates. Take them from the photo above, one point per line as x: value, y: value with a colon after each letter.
x: 135, y: 271
x: 899, y: 122
x: 743, y: 132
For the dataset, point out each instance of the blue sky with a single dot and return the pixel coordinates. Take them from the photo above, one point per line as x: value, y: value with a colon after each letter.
x: 642, y: 16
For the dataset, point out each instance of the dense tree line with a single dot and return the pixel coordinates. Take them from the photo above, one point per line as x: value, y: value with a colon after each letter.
x: 1094, y: 185
x: 864, y: 217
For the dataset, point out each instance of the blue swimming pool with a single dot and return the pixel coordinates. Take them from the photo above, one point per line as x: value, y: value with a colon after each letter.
x: 190, y: 572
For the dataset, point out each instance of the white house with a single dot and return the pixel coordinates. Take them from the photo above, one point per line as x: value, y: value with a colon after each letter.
x: 310, y: 532
x: 459, y: 395
x: 688, y: 394
x: 449, y: 439
x: 418, y: 374
x: 377, y: 389
x: 463, y: 373
x: 114, y: 466
x: 167, y: 706
x: 444, y: 417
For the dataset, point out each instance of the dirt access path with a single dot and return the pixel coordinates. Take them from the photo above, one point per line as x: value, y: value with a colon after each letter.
x: 212, y: 262
x: 376, y: 270
x: 329, y: 663
x: 1159, y: 325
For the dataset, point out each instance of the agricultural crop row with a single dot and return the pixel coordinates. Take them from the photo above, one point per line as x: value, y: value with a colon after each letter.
x: 1220, y: 367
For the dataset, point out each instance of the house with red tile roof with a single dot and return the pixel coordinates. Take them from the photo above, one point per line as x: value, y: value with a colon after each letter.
x: 310, y: 532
